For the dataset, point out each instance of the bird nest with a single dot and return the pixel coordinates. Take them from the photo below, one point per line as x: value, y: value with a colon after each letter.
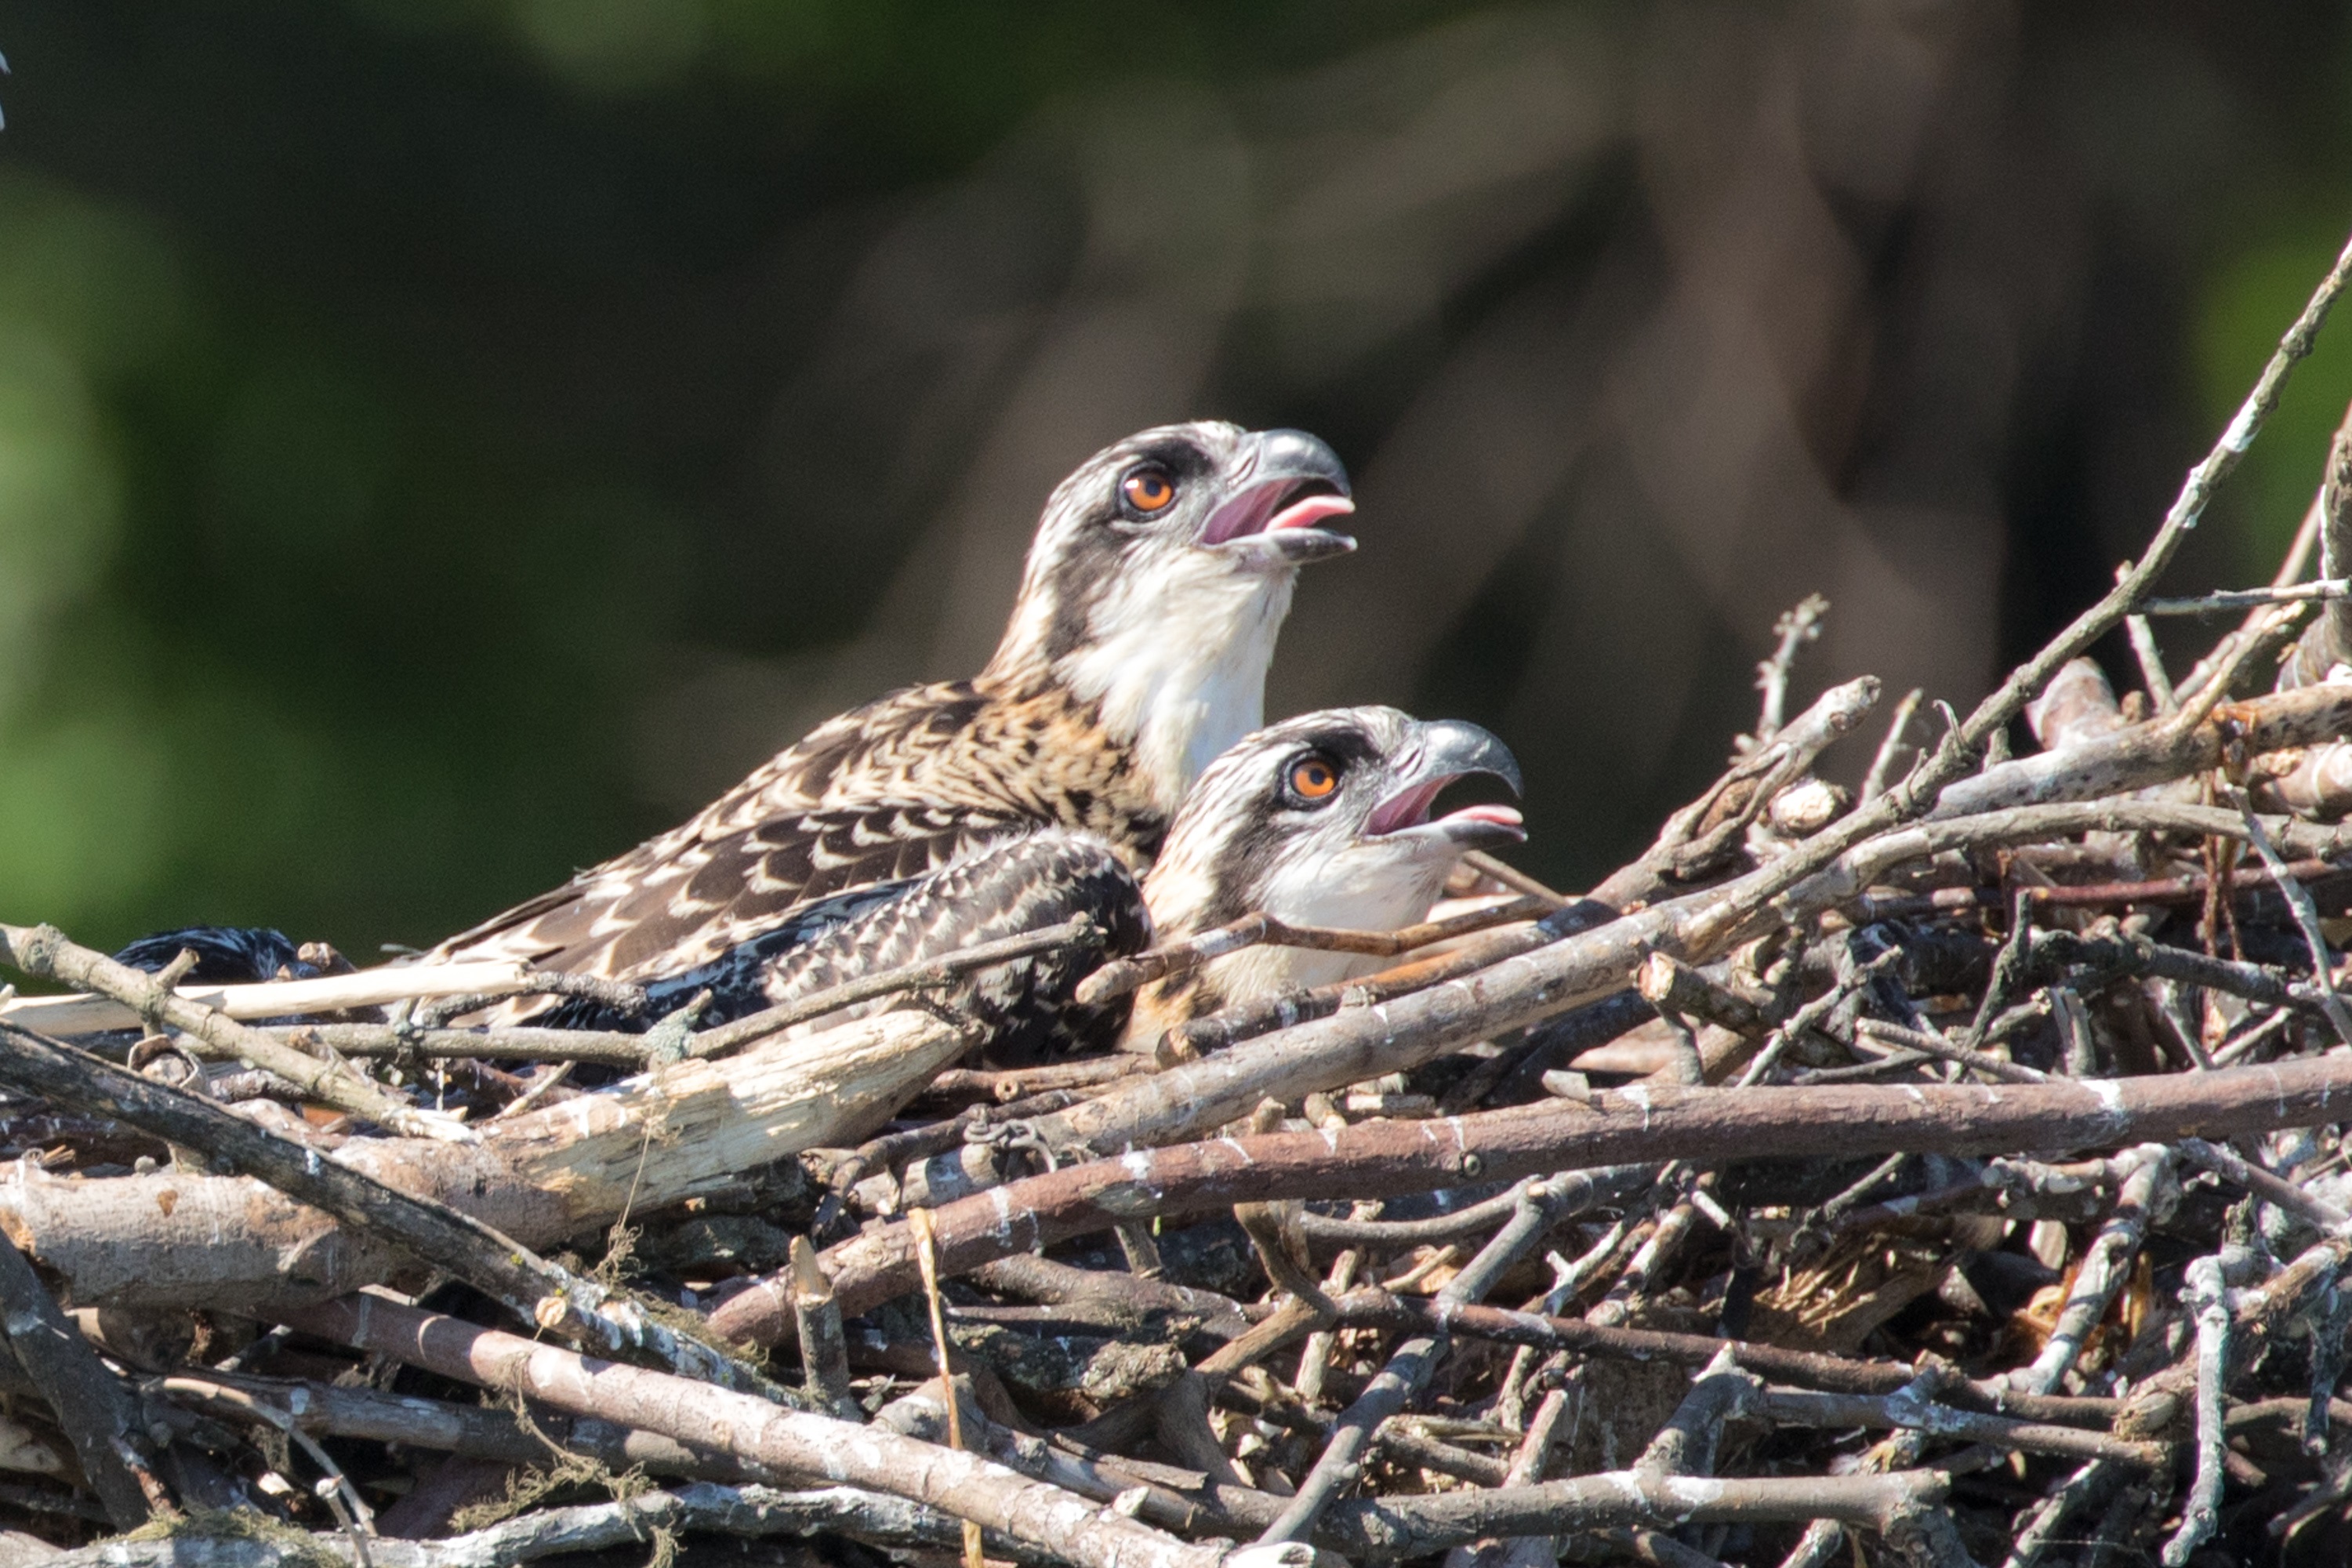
x: 1942, y: 1170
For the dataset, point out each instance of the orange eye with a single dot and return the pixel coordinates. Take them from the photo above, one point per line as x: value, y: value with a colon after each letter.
x: 1148, y: 489
x: 1313, y: 778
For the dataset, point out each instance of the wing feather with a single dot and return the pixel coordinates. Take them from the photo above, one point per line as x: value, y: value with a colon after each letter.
x: 899, y: 788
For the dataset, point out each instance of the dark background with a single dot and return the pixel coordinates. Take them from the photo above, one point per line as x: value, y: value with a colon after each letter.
x: 442, y: 443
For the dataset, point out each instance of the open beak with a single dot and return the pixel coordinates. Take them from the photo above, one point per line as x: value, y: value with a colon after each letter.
x: 1285, y: 485
x: 1442, y: 753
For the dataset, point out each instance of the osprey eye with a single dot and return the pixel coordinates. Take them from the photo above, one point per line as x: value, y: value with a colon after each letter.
x: 1313, y: 779
x: 1148, y: 489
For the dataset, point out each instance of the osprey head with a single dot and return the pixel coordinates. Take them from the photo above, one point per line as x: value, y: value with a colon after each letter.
x: 1162, y: 571
x: 1325, y: 820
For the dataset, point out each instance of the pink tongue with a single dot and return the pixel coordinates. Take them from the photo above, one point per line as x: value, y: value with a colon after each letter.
x: 1309, y: 512
x: 1503, y: 816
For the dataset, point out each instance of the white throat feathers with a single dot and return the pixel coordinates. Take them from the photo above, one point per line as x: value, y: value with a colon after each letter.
x: 1180, y: 666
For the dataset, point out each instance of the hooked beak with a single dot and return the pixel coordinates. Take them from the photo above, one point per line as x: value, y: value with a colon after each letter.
x: 1443, y: 752
x: 1285, y: 484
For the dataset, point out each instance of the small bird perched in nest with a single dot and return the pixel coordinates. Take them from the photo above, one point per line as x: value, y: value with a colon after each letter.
x: 1137, y: 651
x: 1321, y: 820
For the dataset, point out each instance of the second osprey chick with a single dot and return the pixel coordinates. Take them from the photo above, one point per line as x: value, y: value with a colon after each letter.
x: 1321, y: 820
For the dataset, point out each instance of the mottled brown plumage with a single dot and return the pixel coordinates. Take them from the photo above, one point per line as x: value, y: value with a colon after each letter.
x: 1137, y: 650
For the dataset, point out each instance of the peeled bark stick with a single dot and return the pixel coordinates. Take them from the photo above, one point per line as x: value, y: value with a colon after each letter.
x: 98, y: 1413
x: 538, y: 1291
x: 1042, y: 1517
x: 2077, y: 706
x: 2327, y: 642
x: 179, y: 1240
x: 1699, y: 1125
x: 85, y: 1015
x: 2155, y: 753
x: 44, y: 951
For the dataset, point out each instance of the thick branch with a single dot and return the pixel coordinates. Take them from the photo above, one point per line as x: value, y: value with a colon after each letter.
x: 1624, y: 1127
x: 1045, y: 1518
x: 178, y: 1240
x: 98, y: 1413
x: 527, y: 1285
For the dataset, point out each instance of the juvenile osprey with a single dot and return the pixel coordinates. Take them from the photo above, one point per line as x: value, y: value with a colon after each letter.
x: 1137, y: 651
x: 1319, y: 820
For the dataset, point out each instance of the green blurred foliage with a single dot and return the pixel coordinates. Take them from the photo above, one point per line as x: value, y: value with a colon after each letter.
x: 260, y: 600
x: 2248, y: 301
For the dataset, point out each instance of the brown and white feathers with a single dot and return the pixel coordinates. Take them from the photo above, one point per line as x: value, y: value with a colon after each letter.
x: 1321, y: 820
x: 1137, y: 650
x: 1324, y: 820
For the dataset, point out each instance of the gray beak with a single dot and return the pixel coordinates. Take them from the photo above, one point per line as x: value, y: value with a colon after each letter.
x: 1286, y: 485
x: 1443, y: 751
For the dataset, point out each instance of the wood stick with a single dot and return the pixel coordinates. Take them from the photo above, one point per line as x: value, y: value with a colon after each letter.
x: 534, y: 1289
x: 1388, y: 1528
x: 331, y: 1410
x: 97, y: 1413
x: 88, y: 1014
x: 1837, y: 1375
x: 2154, y: 752
x: 519, y: 1043
x: 1526, y: 987
x: 174, y: 1240
x: 45, y: 951
x: 1623, y: 1127
x: 752, y: 1512
x: 1122, y: 975
x: 874, y: 1457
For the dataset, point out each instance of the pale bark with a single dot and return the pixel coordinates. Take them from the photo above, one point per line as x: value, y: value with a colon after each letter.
x: 176, y: 1240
